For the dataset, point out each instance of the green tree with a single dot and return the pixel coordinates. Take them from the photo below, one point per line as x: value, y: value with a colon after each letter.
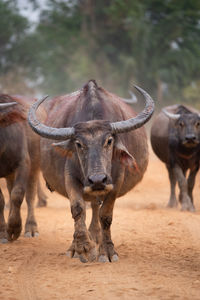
x: 163, y: 41
x: 154, y: 43
x: 13, y: 30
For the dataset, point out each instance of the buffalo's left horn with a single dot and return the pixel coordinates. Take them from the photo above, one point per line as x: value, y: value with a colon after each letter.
x: 171, y: 115
x: 139, y: 120
x: 46, y: 131
x: 6, y: 105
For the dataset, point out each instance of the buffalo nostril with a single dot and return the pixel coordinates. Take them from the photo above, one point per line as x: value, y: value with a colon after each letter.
x: 104, y: 179
x: 90, y: 180
x: 97, y: 179
x: 190, y: 137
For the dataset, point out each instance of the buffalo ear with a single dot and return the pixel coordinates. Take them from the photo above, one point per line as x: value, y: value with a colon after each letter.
x: 63, y: 148
x: 124, y: 156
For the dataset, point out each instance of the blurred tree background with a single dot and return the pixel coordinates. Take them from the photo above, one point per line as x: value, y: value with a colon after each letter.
x: 153, y: 43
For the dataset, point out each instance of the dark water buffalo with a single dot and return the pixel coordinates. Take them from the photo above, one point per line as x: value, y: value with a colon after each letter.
x: 42, y: 197
x: 19, y: 165
x: 175, y: 139
x: 100, y: 158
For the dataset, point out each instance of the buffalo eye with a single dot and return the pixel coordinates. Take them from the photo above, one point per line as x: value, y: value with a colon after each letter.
x: 181, y: 124
x: 197, y: 124
x: 109, y: 142
x: 78, y: 144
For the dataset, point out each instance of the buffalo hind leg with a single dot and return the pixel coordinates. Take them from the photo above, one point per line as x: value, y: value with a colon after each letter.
x: 42, y: 197
x: 3, y: 233
x: 106, y: 250
x: 172, y: 178
x: 95, y: 228
x: 31, y: 229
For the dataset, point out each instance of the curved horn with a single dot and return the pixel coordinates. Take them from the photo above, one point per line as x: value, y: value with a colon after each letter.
x: 46, y: 131
x: 139, y: 120
x: 6, y: 105
x: 132, y: 100
x: 171, y: 115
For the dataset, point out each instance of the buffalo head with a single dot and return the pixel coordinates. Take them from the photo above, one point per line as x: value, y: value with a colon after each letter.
x: 96, y: 147
x: 185, y: 126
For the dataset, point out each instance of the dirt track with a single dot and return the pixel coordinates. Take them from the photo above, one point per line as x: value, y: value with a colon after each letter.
x: 159, y: 251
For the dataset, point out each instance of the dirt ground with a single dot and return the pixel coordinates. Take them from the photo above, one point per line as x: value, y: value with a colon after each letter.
x: 159, y: 251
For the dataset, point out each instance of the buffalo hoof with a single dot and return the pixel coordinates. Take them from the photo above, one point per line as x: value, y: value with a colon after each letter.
x: 31, y: 229
x: 84, y: 258
x: 75, y: 255
x: 90, y: 256
x: 114, y: 258
x: 186, y: 207
x: 13, y: 231
x: 107, y: 252
x: 171, y: 204
x: 103, y: 259
x: 42, y: 203
x: 71, y: 255
x: 3, y: 241
x: 3, y: 237
x: 29, y: 234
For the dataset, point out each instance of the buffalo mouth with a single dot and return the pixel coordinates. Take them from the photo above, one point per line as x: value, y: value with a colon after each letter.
x: 98, y: 190
x: 190, y: 144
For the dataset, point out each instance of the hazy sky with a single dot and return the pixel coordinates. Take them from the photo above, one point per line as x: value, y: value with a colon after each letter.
x: 26, y: 9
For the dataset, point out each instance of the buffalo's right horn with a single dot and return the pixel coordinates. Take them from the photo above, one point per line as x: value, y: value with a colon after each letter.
x: 46, y: 131
x: 6, y: 105
x: 171, y: 115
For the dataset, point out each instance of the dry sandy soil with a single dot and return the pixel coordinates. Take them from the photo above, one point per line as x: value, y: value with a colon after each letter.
x: 159, y: 251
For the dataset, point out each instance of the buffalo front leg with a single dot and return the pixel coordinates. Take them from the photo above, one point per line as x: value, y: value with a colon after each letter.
x: 184, y: 198
x: 82, y: 244
x: 3, y: 234
x: 14, y: 226
x: 106, y: 249
x: 172, y: 178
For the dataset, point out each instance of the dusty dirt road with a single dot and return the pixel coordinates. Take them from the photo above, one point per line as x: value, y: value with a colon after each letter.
x: 159, y: 251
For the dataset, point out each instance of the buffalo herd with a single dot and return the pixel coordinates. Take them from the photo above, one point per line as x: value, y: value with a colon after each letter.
x: 90, y: 146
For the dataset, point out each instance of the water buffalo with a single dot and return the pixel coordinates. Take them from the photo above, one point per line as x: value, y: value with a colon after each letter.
x: 175, y: 139
x: 101, y: 156
x: 19, y: 165
x: 42, y: 197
